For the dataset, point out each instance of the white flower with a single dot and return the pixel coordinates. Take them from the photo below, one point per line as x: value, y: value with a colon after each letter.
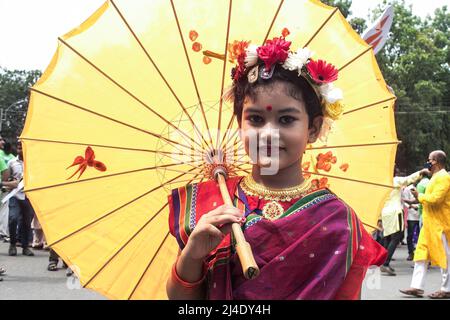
x: 297, y: 60
x: 330, y: 93
x: 252, y: 56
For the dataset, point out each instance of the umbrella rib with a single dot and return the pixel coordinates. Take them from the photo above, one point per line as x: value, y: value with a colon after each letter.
x: 192, y: 72
x: 273, y: 21
x: 115, y: 210
x: 355, y: 145
x: 158, y: 70
x: 370, y: 105
x: 321, y: 27
x: 230, y: 124
x: 230, y: 150
x: 341, y: 146
x: 348, y: 179
x: 186, y: 180
x: 174, y: 143
x: 99, y: 146
x: 239, y: 167
x: 230, y: 137
x: 126, y: 90
x: 124, y: 245
x: 111, y: 175
x: 194, y: 173
x: 163, y: 153
x: 366, y: 224
x: 219, y: 124
x: 149, y: 264
x: 355, y: 58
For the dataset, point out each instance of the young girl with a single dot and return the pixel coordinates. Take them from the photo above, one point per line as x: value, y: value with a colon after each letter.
x: 307, y: 242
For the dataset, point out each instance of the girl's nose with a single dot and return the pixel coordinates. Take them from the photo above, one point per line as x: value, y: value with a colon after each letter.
x: 269, y: 133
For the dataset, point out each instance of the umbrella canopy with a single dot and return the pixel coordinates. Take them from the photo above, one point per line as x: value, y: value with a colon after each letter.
x: 130, y: 107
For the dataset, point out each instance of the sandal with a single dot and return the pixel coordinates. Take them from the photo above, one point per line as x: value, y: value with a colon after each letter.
x: 413, y: 292
x: 52, y: 266
x: 440, y: 295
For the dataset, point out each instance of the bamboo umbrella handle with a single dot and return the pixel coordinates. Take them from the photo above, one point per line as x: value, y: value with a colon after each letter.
x: 244, y: 251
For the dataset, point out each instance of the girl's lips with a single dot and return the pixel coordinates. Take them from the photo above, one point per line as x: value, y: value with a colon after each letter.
x: 268, y: 149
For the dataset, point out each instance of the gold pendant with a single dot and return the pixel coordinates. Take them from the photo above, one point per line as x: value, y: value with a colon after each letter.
x: 272, y: 210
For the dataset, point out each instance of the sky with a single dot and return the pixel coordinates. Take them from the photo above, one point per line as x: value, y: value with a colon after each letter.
x: 29, y: 28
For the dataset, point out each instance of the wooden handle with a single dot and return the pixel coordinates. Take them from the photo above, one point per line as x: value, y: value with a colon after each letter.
x: 243, y: 248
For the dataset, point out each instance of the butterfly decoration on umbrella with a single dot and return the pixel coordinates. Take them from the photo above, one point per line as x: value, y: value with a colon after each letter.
x: 87, y: 161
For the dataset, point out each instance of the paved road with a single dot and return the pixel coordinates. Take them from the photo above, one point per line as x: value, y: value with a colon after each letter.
x: 378, y: 286
x: 28, y: 278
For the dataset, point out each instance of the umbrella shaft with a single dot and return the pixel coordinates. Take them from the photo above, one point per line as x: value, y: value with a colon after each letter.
x: 243, y: 248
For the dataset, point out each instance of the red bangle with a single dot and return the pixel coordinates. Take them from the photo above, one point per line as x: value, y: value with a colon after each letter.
x: 187, y: 285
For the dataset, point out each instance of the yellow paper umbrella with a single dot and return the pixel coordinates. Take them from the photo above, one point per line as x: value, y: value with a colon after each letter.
x: 130, y: 107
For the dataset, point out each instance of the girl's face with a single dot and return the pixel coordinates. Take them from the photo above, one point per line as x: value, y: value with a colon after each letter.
x: 274, y: 128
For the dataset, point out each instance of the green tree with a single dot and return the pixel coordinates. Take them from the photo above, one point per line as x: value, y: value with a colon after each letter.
x: 14, y: 90
x: 358, y: 24
x: 415, y: 63
x: 343, y: 5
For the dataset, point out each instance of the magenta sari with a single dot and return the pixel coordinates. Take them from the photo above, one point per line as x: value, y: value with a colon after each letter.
x: 316, y: 250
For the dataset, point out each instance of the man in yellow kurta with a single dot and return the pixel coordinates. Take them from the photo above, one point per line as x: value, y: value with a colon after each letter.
x: 433, y: 244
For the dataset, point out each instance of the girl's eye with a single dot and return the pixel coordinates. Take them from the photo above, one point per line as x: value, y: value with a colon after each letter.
x: 287, y: 119
x: 255, y: 119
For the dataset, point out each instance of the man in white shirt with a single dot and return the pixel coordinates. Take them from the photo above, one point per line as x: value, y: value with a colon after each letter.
x: 19, y: 207
x: 392, y: 217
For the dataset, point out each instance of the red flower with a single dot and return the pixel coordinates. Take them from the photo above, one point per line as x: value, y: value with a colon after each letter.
x: 196, y: 46
x: 193, y: 35
x: 323, y: 183
x: 321, y: 71
x: 276, y: 50
x: 305, y: 167
x: 320, y: 184
x: 325, y: 161
x: 236, y: 51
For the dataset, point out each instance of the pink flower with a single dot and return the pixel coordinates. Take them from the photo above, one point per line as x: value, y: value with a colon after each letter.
x: 274, y: 51
x: 321, y: 71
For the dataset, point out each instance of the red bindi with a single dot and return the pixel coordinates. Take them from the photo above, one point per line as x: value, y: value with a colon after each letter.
x: 269, y: 108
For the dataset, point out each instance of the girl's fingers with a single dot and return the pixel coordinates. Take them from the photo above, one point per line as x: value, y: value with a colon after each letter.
x: 212, y: 230
x: 223, y: 219
x: 226, y: 229
x: 225, y: 209
x: 214, y: 215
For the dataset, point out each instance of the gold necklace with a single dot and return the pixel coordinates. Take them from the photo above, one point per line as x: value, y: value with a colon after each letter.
x: 252, y: 188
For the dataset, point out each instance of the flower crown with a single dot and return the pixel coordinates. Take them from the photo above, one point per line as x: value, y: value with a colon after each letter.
x: 259, y: 62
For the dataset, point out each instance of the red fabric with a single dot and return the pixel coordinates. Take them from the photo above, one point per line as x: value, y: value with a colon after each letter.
x: 369, y: 253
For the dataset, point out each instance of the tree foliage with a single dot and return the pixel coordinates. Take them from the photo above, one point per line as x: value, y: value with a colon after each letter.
x: 14, y: 92
x: 415, y: 63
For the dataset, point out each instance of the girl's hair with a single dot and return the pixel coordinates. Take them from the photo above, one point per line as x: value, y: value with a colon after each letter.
x: 296, y: 87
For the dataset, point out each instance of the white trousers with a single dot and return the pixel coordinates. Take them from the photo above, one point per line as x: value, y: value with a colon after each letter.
x: 421, y: 267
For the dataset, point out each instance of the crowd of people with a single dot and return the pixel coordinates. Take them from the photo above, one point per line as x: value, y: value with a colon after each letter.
x: 420, y: 205
x: 18, y: 222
